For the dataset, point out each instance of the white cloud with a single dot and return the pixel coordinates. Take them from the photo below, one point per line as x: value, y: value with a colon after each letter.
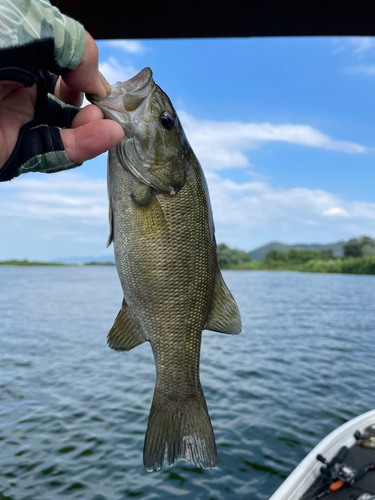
x: 47, y: 217
x: 221, y: 145
x: 128, y: 46
x: 268, y: 203
x: 335, y: 212
x: 358, y: 46
x: 361, y: 69
x: 56, y: 197
x: 254, y: 213
x: 67, y: 214
x: 115, y: 72
x: 64, y: 214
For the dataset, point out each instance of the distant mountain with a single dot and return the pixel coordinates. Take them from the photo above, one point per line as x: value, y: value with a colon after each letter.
x: 86, y: 259
x: 257, y: 254
x: 261, y: 252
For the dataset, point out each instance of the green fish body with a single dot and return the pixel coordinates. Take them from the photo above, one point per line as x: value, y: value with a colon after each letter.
x: 165, y: 250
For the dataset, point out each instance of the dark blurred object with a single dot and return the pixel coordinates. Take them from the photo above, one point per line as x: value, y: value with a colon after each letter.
x: 216, y: 18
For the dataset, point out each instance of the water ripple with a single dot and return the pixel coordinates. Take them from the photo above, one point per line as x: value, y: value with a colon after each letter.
x: 73, y: 413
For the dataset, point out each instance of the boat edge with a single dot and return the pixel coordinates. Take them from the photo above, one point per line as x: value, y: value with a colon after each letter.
x: 303, y: 476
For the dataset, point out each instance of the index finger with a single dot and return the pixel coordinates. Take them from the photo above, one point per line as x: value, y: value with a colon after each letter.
x: 87, y: 77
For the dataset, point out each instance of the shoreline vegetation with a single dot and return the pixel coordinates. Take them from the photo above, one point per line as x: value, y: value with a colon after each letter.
x: 352, y: 265
x: 358, y: 257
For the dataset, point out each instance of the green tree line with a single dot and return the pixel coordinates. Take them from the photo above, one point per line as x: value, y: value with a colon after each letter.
x: 229, y: 257
x: 295, y: 256
x: 359, y: 247
x: 358, y: 258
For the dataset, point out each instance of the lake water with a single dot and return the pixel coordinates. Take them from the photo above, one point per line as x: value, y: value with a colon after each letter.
x: 73, y: 413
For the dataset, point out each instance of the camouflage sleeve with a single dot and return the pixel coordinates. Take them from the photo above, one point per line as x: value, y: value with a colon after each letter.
x: 23, y: 22
x: 37, y: 43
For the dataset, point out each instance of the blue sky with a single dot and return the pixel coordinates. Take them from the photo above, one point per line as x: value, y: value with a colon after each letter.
x: 283, y: 128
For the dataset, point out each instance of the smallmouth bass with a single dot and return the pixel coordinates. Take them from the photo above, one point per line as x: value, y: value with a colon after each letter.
x: 162, y: 228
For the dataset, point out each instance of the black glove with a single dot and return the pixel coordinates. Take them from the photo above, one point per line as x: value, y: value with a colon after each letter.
x: 39, y: 147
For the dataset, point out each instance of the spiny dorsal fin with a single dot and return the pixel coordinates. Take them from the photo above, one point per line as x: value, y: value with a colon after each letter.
x: 124, y: 334
x: 224, y: 316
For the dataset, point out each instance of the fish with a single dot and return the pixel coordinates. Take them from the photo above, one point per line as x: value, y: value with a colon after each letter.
x: 162, y: 228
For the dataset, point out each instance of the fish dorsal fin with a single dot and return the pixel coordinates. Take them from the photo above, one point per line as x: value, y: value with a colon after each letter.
x: 110, y: 216
x: 224, y: 316
x: 124, y: 334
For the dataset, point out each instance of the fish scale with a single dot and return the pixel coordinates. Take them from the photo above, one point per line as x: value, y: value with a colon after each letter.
x: 165, y: 251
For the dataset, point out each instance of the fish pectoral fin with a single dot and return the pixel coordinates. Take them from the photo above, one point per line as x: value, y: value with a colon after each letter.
x: 124, y: 334
x: 148, y: 213
x: 224, y: 316
x: 110, y: 216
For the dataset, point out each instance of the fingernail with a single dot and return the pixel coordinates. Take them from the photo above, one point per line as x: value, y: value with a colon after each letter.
x: 106, y: 85
x: 106, y: 88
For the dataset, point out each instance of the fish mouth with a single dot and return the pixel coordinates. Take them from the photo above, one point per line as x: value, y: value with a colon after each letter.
x: 134, y: 85
x: 125, y: 96
x: 126, y: 100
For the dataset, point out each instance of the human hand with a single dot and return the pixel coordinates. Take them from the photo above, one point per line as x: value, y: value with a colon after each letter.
x: 90, y: 133
x: 16, y: 109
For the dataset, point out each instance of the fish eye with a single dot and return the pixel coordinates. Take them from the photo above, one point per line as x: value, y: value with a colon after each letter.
x: 167, y: 119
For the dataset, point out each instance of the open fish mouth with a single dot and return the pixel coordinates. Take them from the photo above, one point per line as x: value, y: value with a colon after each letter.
x: 134, y: 85
x: 126, y: 99
x: 126, y: 95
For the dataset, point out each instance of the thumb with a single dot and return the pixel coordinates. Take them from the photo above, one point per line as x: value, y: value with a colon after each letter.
x: 90, y: 135
x: 87, y: 77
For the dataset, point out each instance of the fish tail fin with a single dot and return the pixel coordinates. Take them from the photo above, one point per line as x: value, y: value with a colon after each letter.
x: 184, y: 431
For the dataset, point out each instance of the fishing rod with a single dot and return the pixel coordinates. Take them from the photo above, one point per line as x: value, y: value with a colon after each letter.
x: 337, y: 474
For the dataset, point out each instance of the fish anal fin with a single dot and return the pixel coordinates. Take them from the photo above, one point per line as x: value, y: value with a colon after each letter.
x: 224, y: 316
x: 124, y: 334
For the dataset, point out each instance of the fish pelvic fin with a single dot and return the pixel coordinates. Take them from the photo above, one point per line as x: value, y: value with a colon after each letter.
x: 224, y: 316
x: 124, y: 334
x: 183, y: 431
